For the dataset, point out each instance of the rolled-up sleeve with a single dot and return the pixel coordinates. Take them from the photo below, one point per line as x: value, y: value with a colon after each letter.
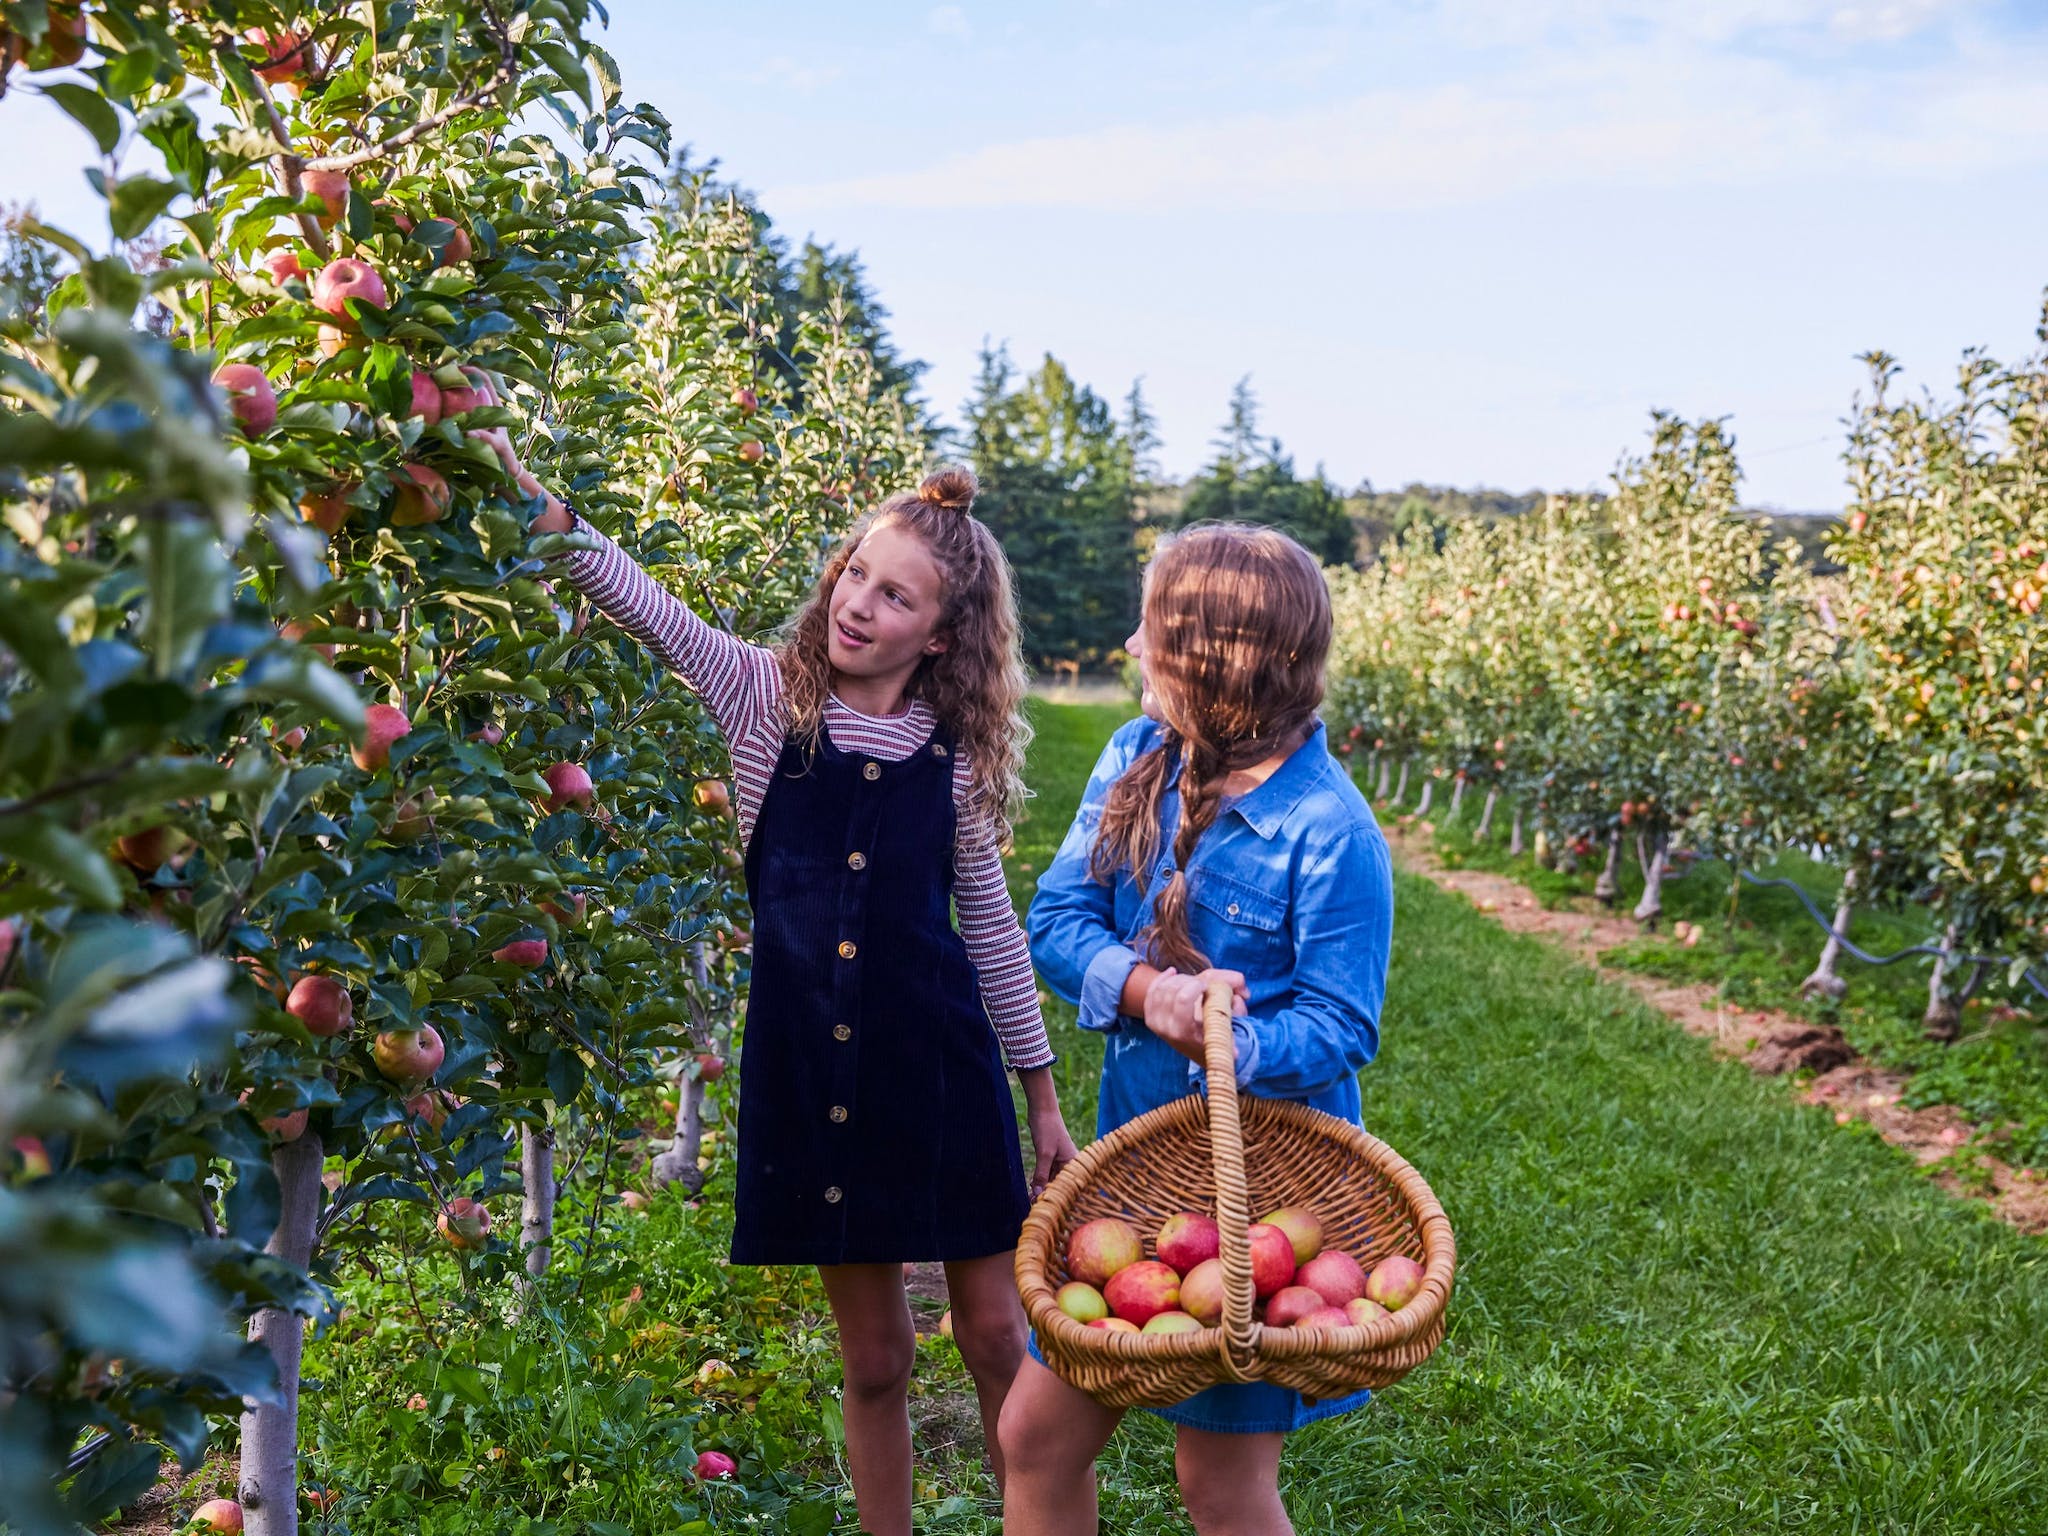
x: 1072, y: 925
x: 1342, y: 921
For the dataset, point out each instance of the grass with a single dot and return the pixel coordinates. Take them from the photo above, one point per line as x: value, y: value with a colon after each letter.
x: 1686, y: 1304
x: 1759, y: 944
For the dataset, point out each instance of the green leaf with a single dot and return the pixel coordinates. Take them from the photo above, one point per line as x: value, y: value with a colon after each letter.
x: 136, y: 203
x: 40, y: 845
x: 92, y: 111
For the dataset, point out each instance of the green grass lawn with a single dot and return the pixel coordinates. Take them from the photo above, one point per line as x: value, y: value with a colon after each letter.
x: 1686, y: 1304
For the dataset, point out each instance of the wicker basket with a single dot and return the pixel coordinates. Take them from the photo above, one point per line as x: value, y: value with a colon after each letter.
x: 1237, y: 1157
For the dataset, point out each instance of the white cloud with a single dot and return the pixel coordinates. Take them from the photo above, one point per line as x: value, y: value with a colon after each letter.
x: 1653, y: 115
x: 1714, y: 21
x: 790, y: 74
x: 948, y: 21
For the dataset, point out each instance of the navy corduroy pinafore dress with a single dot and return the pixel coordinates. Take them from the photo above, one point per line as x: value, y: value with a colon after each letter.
x: 876, y: 1123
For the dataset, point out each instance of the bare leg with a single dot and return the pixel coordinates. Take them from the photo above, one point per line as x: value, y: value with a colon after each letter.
x: 1051, y: 1434
x: 989, y: 1327
x: 1231, y: 1483
x: 877, y: 1347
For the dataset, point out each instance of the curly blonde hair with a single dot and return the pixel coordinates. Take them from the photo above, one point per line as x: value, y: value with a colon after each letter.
x: 976, y: 685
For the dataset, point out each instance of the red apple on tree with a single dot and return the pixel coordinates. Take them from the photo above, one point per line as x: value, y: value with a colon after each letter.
x: 382, y: 725
x: 250, y: 397
x: 713, y: 796
x: 344, y: 279
x: 283, y: 265
x: 466, y: 1223
x: 568, y: 785
x: 422, y: 496
x: 289, y: 1126
x: 710, y: 1068
x: 475, y: 393
x: 322, y: 1004
x: 412, y: 818
x: 332, y: 188
x: 287, y: 60
x: 327, y: 510
x: 426, y: 397
x: 408, y: 1055
x: 745, y: 398
x: 570, y: 916
x: 713, y: 1465
x: 751, y: 451
x: 527, y: 954
x: 149, y: 850
x: 1099, y: 1248
x: 35, y: 1157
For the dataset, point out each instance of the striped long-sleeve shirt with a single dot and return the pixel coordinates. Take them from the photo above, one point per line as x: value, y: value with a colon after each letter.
x: 742, y: 687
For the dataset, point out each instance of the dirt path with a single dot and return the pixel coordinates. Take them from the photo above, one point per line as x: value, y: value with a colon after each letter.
x: 1771, y: 1043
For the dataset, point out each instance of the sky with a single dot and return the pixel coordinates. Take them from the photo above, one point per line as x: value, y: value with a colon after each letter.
x: 1470, y: 242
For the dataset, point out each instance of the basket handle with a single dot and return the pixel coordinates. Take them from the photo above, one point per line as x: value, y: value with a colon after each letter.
x: 1233, y: 1197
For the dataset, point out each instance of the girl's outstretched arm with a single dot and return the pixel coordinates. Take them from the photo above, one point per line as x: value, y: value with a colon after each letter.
x: 738, y: 682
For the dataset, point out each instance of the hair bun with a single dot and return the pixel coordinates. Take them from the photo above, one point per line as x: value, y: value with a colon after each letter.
x: 953, y: 488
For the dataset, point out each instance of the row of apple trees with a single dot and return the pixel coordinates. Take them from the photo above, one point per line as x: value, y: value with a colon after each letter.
x: 1644, y: 672
x: 345, y: 865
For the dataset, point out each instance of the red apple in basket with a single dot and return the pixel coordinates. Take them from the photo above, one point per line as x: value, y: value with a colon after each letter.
x: 1201, y: 1292
x: 1394, y: 1282
x: 1172, y: 1322
x: 1290, y: 1304
x: 1273, y: 1261
x: 1363, y: 1312
x: 1334, y: 1275
x: 1186, y: 1240
x: 1115, y: 1325
x: 1304, y: 1230
x: 1140, y: 1292
x: 1099, y: 1248
x: 1326, y: 1317
x: 1081, y: 1301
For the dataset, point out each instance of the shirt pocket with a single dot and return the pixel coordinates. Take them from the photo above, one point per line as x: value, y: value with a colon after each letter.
x: 1240, y: 927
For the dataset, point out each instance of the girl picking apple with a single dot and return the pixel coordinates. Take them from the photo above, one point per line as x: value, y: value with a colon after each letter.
x: 1217, y: 839
x: 876, y: 751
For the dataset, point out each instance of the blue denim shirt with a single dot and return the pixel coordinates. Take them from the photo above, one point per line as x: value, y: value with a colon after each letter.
x: 1291, y: 885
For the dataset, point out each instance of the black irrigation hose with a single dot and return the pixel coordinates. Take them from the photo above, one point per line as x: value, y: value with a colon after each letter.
x: 1827, y: 924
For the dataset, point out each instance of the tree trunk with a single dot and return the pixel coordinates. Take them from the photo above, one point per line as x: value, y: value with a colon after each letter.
x: 1457, y: 797
x: 1515, y: 835
x: 1544, y: 854
x: 537, y: 1208
x: 1386, y: 776
x: 1485, y: 828
x: 1651, y: 907
x: 677, y: 1164
x: 1401, y: 788
x: 269, y: 1491
x: 1824, y: 982
x: 1428, y: 794
x: 1608, y: 886
x: 1944, y: 1017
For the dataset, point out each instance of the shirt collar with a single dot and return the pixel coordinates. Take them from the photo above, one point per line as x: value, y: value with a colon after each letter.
x: 1264, y: 808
